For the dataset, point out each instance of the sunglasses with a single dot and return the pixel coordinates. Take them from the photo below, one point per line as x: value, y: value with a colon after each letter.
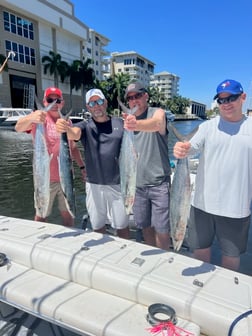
x: 96, y: 102
x: 50, y: 100
x: 228, y: 99
x: 136, y: 96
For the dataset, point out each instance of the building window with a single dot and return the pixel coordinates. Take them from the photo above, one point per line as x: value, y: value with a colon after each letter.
x: 127, y: 61
x: 17, y: 25
x: 23, y: 54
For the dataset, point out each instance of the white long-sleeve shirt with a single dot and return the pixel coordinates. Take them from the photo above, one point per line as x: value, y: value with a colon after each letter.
x: 224, y: 177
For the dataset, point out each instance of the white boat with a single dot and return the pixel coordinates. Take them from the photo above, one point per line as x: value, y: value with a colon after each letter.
x: 10, y: 116
x: 101, y: 285
x: 80, y: 117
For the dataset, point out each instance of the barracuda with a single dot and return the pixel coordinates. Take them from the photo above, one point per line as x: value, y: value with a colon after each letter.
x: 128, y: 164
x: 41, y: 167
x: 66, y: 171
x: 180, y: 198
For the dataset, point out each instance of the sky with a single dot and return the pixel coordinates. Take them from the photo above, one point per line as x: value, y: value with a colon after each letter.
x: 202, y: 41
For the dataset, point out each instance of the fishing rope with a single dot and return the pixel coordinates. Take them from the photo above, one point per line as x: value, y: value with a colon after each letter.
x: 164, y: 327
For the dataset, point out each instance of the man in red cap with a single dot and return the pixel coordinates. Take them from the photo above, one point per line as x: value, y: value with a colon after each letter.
x: 48, y: 119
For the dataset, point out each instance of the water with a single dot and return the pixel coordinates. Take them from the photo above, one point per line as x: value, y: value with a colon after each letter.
x: 184, y: 128
x: 16, y: 188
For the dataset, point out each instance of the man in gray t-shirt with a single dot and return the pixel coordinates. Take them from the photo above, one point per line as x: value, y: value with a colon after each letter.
x: 151, y: 205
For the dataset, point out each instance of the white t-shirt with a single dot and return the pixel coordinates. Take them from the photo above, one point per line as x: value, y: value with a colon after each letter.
x: 224, y: 177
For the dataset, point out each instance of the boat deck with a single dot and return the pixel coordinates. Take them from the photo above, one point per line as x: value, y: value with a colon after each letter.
x: 95, y: 284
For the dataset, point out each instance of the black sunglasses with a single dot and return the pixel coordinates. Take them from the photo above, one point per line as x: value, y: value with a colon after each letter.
x: 50, y: 100
x: 96, y: 102
x: 228, y: 99
x: 136, y: 96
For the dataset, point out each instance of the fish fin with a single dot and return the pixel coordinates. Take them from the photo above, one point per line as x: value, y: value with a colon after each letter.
x: 65, y: 116
x: 125, y: 109
x: 37, y: 102
x: 177, y: 245
x: 40, y: 106
x: 180, y: 136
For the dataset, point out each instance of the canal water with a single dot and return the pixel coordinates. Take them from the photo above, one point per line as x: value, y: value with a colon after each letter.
x: 16, y: 187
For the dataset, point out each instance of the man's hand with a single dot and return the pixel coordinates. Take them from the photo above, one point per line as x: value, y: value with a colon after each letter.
x: 130, y: 122
x: 62, y: 125
x: 181, y: 149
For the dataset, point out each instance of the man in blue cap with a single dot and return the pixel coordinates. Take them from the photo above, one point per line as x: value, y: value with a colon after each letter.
x: 223, y: 189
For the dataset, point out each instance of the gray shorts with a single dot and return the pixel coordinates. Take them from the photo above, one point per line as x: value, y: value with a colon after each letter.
x: 151, y: 207
x: 105, y: 202
x: 56, y: 191
x: 231, y: 233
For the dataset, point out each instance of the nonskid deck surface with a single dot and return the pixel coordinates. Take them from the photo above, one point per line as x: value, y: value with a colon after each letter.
x: 98, y: 284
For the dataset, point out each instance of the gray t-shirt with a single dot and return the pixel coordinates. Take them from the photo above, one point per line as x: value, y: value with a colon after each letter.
x: 153, y: 166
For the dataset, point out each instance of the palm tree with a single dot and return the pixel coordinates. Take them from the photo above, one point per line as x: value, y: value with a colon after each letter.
x: 87, y: 76
x: 157, y: 98
x: 178, y: 104
x: 115, y: 87
x: 75, y: 78
x: 55, y: 66
x: 121, y: 81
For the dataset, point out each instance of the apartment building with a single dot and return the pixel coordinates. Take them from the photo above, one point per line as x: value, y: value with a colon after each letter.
x: 33, y: 28
x: 138, y: 67
x: 95, y: 50
x: 167, y: 83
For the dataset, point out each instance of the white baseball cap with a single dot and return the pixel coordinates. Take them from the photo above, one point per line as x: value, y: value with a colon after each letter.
x: 94, y: 92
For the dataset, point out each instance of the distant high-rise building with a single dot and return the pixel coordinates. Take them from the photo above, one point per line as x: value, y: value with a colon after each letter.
x: 166, y: 82
x: 138, y: 67
x: 94, y: 49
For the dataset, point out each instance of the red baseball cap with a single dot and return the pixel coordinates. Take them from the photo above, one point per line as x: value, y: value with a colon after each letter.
x: 53, y: 90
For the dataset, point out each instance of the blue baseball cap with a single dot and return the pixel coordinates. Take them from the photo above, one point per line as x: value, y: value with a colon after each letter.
x: 229, y: 86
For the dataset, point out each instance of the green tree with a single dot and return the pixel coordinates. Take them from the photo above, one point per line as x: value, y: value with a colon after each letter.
x: 86, y: 76
x: 156, y: 97
x: 55, y: 66
x: 81, y: 76
x: 178, y: 104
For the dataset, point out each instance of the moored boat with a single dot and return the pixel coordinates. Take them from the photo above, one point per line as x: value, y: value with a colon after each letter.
x: 10, y: 116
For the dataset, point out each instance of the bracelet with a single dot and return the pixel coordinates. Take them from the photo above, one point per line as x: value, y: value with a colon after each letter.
x: 82, y: 167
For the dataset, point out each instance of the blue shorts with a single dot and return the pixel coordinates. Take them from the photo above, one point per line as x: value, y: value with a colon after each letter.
x: 151, y: 207
x: 231, y: 233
